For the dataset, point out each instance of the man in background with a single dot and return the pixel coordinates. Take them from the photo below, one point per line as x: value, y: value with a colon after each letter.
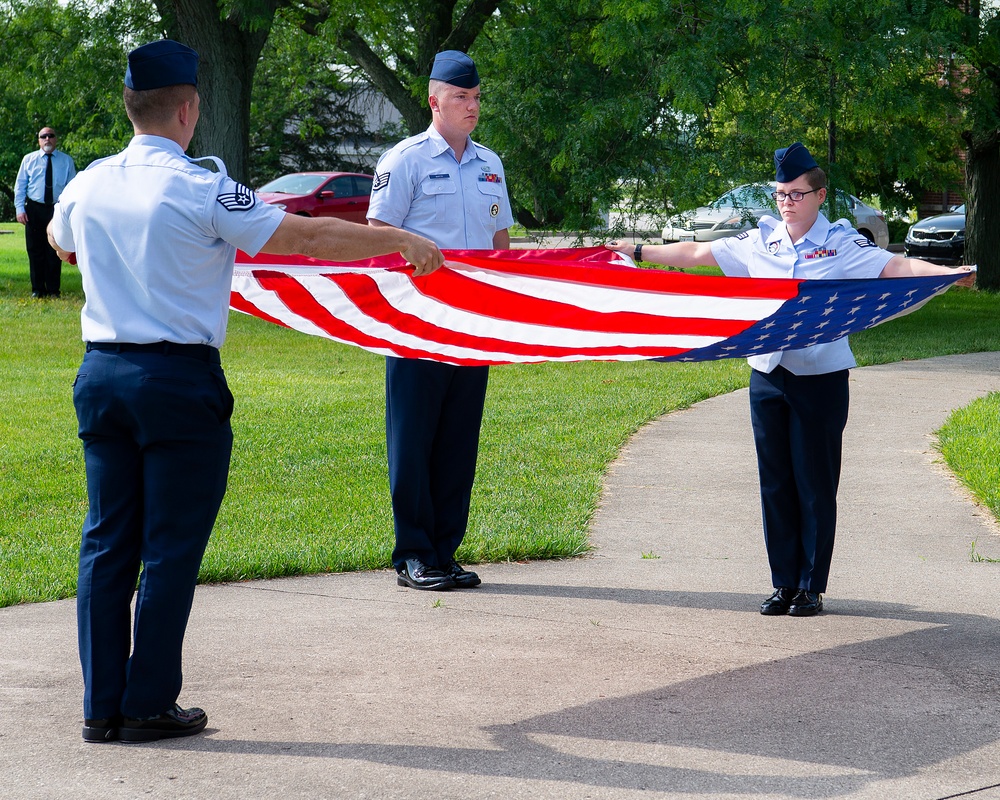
x: 41, y: 178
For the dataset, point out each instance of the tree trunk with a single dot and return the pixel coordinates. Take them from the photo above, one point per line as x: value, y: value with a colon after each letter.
x: 982, y: 209
x: 229, y: 49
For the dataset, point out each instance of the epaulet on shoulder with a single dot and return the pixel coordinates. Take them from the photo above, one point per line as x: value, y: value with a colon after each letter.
x: 97, y: 162
x: 767, y: 224
x: 406, y: 144
x: 846, y: 224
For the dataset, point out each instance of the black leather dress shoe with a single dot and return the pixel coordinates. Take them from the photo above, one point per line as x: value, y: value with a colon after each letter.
x: 464, y: 578
x: 778, y: 603
x: 168, y: 725
x: 417, y: 575
x: 805, y: 604
x: 101, y: 730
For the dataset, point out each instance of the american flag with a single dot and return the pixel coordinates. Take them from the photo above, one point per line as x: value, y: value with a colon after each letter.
x: 524, y: 306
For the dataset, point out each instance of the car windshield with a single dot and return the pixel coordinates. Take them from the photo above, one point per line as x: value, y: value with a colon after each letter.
x: 748, y: 196
x: 296, y: 183
x: 960, y: 209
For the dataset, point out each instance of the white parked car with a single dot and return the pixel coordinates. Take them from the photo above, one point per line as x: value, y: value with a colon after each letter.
x: 740, y: 208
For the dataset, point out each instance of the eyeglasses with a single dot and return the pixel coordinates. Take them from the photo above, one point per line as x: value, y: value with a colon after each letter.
x: 793, y: 196
x: 46, y: 136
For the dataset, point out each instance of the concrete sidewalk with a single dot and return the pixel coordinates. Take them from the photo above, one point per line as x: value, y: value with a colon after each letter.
x: 641, y: 671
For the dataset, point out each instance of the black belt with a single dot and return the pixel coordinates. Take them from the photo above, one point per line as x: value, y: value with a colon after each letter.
x: 205, y: 352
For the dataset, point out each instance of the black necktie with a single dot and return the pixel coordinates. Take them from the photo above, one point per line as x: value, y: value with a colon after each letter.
x: 48, y: 180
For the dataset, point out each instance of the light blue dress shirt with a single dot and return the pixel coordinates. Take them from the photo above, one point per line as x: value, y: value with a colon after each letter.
x: 156, y: 237
x: 30, y: 181
x: 420, y: 187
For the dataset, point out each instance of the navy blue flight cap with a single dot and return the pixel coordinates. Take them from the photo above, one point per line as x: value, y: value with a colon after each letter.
x: 792, y: 161
x: 161, y: 63
x: 456, y: 68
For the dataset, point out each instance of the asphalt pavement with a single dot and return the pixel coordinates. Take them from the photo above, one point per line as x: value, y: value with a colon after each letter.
x: 642, y: 670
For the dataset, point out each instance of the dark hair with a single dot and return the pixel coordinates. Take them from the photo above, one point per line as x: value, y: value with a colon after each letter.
x: 156, y: 106
x: 815, y: 177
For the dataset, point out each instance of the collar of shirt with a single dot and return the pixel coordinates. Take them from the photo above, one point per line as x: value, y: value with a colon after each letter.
x: 151, y: 140
x: 774, y: 230
x: 40, y: 155
x: 441, y: 146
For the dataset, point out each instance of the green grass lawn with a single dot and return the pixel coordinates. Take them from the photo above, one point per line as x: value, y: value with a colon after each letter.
x: 308, y: 490
x: 970, y: 443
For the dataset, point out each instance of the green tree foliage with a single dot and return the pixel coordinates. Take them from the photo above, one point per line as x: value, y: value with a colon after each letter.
x: 680, y: 99
x: 57, y: 61
x: 394, y: 43
x: 567, y: 124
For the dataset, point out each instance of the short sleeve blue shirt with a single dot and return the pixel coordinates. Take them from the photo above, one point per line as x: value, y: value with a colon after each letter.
x: 829, y: 251
x: 420, y: 187
x: 156, y: 237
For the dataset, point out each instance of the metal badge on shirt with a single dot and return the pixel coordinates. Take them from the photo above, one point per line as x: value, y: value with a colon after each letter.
x: 242, y: 199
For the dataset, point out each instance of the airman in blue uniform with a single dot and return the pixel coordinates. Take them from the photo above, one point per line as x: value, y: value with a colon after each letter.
x: 443, y: 185
x: 798, y: 398
x: 155, y: 236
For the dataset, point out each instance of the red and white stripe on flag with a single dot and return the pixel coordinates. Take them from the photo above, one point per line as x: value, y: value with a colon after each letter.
x: 522, y: 306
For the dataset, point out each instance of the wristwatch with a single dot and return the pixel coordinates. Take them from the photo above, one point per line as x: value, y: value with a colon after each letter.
x: 637, y: 255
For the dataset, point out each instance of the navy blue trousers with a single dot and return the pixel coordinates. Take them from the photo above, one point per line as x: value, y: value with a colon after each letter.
x: 157, y: 443
x: 798, y: 426
x: 433, y: 413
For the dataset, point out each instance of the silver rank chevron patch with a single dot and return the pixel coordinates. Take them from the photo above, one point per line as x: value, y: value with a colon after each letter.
x: 381, y: 181
x: 243, y: 199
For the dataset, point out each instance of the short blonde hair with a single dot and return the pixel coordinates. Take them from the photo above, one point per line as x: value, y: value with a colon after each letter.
x: 156, y: 106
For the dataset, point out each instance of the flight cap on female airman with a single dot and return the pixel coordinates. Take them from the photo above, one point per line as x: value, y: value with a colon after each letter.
x: 792, y: 161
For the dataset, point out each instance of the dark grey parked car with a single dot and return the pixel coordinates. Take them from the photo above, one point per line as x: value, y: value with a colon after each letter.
x: 939, y: 239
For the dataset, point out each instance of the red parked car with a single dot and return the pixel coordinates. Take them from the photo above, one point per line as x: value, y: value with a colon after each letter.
x: 321, y: 194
